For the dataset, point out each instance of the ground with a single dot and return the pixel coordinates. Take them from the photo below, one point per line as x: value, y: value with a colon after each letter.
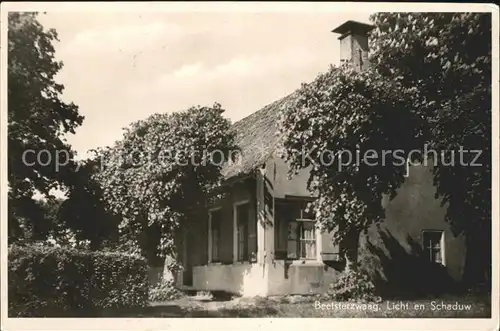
x: 302, y: 306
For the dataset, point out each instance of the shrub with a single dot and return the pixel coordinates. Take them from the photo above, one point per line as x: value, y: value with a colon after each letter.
x: 55, y: 281
x: 164, y: 291
x: 353, y: 285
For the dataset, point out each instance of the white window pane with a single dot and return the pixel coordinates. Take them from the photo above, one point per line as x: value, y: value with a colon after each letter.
x: 292, y: 230
x: 311, y: 250
x: 308, y: 249
x: 308, y: 231
x: 437, y: 256
x: 292, y: 249
x: 432, y: 245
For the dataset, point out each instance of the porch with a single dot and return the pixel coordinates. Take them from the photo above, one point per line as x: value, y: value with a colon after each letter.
x: 254, y: 243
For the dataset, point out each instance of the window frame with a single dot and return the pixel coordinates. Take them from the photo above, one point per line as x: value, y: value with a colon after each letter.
x: 210, y: 236
x: 428, y: 249
x: 300, y: 240
x: 236, y: 241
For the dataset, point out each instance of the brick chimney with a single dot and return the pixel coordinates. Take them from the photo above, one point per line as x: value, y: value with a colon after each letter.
x: 354, y: 43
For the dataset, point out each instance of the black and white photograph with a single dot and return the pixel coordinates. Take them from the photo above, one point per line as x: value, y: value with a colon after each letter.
x: 163, y: 162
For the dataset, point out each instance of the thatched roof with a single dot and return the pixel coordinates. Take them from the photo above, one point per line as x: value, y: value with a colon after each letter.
x: 256, y: 136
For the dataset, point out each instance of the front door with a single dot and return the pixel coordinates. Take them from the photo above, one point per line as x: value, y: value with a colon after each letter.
x: 187, y: 275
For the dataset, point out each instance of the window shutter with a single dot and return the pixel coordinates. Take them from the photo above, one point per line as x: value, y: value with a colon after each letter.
x: 281, y: 234
x: 252, y: 235
x: 226, y: 236
x: 292, y: 241
x: 329, y: 251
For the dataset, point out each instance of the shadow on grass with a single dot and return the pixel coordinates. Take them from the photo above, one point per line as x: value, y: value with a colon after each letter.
x: 221, y: 296
x: 177, y: 311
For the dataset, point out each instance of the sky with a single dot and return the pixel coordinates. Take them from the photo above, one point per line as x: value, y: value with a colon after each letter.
x: 123, y: 67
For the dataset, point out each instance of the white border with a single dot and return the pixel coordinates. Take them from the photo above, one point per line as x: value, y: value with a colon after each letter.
x: 252, y: 323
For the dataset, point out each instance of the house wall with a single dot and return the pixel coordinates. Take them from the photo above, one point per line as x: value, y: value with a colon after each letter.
x: 276, y: 173
x: 300, y: 278
x: 290, y: 277
x: 394, y: 249
x: 391, y: 250
x: 245, y: 279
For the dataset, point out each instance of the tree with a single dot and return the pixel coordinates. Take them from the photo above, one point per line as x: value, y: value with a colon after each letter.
x: 84, y: 211
x: 160, y: 174
x: 447, y: 57
x: 42, y: 216
x: 37, y: 122
x: 340, y: 116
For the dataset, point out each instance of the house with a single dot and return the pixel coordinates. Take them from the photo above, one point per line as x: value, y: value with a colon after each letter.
x: 259, y: 240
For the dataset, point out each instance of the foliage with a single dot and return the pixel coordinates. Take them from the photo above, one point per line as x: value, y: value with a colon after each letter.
x: 353, y: 285
x: 43, y: 222
x: 447, y: 57
x: 37, y: 120
x: 336, y: 121
x: 429, y: 83
x: 162, y: 171
x: 456, y: 97
x: 51, y: 281
x: 84, y: 211
x: 164, y: 291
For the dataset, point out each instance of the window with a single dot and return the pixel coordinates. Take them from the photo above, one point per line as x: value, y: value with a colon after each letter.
x: 246, y: 233
x: 433, y: 245
x: 242, y: 233
x: 307, y: 240
x: 215, y: 219
x: 296, y: 231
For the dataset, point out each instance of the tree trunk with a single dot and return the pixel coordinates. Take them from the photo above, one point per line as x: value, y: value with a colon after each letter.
x: 169, y: 269
x: 350, y: 247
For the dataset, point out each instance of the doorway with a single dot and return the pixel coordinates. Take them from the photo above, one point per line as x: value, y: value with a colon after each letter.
x: 187, y: 274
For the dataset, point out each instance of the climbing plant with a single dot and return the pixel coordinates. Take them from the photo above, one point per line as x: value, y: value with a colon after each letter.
x: 354, y: 131
x: 447, y: 58
x: 162, y: 172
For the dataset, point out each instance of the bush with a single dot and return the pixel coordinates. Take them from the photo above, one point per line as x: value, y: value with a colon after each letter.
x: 55, y: 281
x: 164, y: 291
x: 353, y: 285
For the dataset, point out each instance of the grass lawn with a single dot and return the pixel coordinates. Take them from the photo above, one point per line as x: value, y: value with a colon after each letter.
x: 299, y: 306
